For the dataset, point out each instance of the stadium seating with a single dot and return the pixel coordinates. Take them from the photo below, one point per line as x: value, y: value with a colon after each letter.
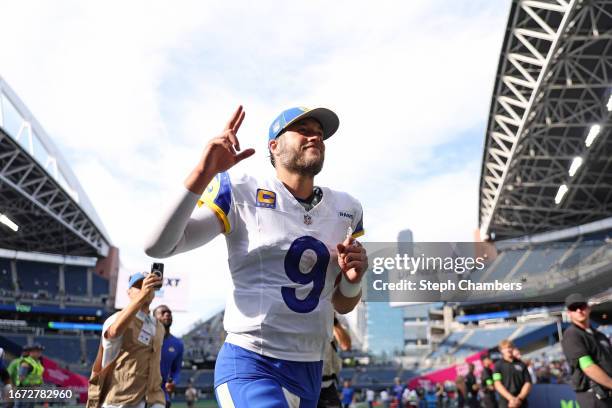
x: 375, y: 376
x: 91, y: 348
x: 347, y: 373
x: 463, y: 343
x: 100, y: 286
x: 35, y: 277
x: 6, y: 279
x: 548, y: 353
x: 18, y: 339
x: 581, y: 253
x: 75, y: 280
x: 481, y: 339
x: 205, y: 378
x: 64, y: 348
x: 539, y: 261
x: 448, y: 344
x: 502, y: 267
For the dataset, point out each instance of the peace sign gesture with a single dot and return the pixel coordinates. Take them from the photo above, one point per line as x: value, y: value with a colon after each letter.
x: 220, y: 154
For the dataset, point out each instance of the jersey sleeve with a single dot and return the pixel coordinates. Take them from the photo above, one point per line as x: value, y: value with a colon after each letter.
x: 218, y: 197
x: 357, y: 223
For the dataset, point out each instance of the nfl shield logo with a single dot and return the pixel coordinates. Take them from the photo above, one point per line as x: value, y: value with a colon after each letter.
x: 307, y: 219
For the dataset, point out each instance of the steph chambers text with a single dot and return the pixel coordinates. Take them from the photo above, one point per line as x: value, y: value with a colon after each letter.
x: 429, y: 286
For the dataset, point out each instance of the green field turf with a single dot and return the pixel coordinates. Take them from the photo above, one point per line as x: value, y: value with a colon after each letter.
x: 199, y: 404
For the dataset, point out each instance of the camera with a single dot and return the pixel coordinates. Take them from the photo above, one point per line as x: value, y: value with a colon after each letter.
x: 158, y: 269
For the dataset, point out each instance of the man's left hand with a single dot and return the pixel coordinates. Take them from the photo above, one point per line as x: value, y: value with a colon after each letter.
x: 352, y: 259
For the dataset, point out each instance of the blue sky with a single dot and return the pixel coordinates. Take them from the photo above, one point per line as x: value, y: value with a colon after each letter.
x: 131, y: 92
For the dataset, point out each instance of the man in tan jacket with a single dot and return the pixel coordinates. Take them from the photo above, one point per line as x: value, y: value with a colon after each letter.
x: 126, y: 372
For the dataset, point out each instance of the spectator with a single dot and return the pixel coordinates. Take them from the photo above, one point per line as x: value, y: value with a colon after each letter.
x: 471, y: 388
x: 31, y: 368
x: 511, y: 378
x: 398, y: 391
x: 532, y: 372
x: 384, y: 398
x: 171, y: 354
x: 409, y: 398
x: 486, y: 383
x: 13, y: 367
x: 191, y: 395
x: 461, y: 391
x: 440, y: 395
x: 370, y: 396
x: 127, y: 368
x: 348, y: 394
x: 516, y: 353
x: 30, y: 372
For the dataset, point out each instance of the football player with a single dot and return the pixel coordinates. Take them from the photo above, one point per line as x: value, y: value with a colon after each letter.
x: 293, y: 257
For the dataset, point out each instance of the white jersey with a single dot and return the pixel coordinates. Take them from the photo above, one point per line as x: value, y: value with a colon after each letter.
x: 283, y: 262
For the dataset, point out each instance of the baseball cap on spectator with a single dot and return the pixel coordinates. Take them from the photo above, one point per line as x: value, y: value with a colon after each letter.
x: 135, y: 278
x: 575, y: 299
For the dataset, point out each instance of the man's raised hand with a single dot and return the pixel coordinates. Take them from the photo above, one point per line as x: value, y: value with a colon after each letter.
x: 220, y: 154
x: 223, y: 152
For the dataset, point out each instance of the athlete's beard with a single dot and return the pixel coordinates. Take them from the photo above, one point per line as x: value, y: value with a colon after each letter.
x: 296, y: 162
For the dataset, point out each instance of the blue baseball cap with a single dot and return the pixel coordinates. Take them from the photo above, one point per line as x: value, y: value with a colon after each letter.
x: 135, y: 278
x: 329, y: 120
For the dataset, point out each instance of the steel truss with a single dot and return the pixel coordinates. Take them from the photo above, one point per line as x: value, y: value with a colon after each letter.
x: 49, y: 219
x: 554, y: 80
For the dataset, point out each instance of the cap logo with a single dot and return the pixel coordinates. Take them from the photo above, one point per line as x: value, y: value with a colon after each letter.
x: 276, y: 126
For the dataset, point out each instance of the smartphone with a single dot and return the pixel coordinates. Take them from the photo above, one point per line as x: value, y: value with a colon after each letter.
x: 158, y: 269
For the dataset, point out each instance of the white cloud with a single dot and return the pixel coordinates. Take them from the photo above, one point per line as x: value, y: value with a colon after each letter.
x: 131, y: 91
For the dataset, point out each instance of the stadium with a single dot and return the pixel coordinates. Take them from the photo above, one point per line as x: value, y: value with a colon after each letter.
x: 57, y: 265
x: 545, y: 216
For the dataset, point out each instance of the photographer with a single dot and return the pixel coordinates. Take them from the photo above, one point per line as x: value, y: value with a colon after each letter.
x: 126, y: 371
x: 589, y: 355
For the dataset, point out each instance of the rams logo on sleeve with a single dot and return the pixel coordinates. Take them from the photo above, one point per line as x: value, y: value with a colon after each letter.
x: 218, y: 197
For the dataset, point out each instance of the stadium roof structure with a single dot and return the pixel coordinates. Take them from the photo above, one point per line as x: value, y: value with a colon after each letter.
x: 547, y: 161
x: 41, y: 199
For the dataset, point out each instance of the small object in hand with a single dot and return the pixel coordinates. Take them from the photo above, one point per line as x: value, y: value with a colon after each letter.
x: 157, y: 268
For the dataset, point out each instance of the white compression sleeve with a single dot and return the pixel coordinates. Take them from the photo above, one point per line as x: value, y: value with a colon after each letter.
x: 181, y: 228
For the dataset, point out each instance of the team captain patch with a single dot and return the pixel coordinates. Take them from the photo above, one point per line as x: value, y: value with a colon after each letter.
x: 265, y: 198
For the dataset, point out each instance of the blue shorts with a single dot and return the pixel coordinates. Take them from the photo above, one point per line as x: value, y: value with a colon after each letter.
x: 247, y: 379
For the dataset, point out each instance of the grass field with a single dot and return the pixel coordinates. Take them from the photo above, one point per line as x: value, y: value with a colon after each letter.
x: 206, y: 404
x: 199, y: 404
